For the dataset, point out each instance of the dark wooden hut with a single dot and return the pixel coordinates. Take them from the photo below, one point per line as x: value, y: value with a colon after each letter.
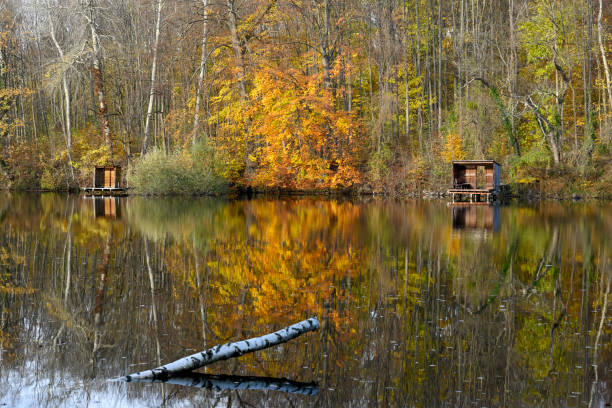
x: 476, y: 179
x: 106, y: 181
x: 107, y: 177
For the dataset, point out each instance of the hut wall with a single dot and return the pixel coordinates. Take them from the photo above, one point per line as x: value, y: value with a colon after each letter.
x: 489, y: 177
x: 99, y: 177
x: 470, y: 176
x: 497, y: 176
x: 117, y: 177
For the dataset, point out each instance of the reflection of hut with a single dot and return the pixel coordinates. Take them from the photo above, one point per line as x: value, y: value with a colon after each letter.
x: 106, y: 180
x: 475, y: 179
x: 481, y: 217
x: 107, y: 207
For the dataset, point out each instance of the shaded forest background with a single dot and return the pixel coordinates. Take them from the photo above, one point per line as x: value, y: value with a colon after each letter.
x: 364, y: 95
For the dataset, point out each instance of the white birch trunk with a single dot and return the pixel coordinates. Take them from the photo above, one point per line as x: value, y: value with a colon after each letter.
x: 66, y: 89
x: 235, y: 382
x: 226, y: 351
x: 98, y: 77
x: 60, y: 52
x: 160, y: 5
x: 603, y: 54
x: 196, y: 116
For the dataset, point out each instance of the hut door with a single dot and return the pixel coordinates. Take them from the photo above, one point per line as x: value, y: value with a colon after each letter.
x: 480, y: 177
x: 109, y: 178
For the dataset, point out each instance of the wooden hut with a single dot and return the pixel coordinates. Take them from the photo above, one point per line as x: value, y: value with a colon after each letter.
x: 476, y: 179
x: 107, y: 177
x: 106, y: 180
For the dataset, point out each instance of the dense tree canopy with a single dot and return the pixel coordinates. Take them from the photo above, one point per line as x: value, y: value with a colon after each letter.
x: 306, y: 94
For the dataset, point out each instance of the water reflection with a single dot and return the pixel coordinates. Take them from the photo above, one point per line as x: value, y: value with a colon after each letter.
x: 412, y: 313
x: 238, y: 382
x: 107, y: 207
x: 476, y: 217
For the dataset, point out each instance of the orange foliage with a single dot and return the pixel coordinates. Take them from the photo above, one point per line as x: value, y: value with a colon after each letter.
x: 302, y: 141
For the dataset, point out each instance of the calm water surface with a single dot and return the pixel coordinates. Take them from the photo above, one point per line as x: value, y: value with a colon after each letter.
x: 421, y: 304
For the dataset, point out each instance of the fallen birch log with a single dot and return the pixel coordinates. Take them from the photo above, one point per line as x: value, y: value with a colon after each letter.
x: 236, y: 382
x: 223, y: 352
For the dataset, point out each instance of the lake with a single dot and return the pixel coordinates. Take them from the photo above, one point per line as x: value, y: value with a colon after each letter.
x: 421, y: 304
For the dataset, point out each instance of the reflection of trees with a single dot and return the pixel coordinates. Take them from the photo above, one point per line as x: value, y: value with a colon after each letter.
x: 98, y: 310
x: 177, y: 217
x: 396, y: 292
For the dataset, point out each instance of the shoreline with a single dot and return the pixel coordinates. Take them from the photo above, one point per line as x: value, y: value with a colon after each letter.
x: 241, y: 193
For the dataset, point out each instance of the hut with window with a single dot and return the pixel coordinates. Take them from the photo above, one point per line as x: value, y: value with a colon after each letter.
x: 106, y: 180
x: 478, y: 180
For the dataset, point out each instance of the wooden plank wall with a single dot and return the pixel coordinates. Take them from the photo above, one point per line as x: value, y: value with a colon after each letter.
x: 470, y: 176
x: 489, y: 177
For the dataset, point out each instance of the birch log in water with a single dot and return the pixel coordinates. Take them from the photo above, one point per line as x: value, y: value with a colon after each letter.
x: 237, y: 382
x: 223, y: 352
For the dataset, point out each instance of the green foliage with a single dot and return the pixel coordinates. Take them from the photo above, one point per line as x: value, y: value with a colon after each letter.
x: 537, y: 157
x: 545, y: 35
x: 380, y: 164
x: 181, y: 172
x: 505, y: 116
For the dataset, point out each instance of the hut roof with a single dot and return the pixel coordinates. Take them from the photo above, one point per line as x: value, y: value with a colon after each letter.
x: 475, y: 162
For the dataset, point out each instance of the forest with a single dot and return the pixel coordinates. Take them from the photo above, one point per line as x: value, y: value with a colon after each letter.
x: 201, y: 96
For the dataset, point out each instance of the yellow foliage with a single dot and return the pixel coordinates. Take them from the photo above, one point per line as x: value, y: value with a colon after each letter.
x: 453, y: 148
x: 304, y: 143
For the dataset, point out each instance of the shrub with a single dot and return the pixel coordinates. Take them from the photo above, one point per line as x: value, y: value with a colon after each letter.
x: 380, y: 167
x: 181, y: 172
x: 532, y: 163
x: 22, y: 166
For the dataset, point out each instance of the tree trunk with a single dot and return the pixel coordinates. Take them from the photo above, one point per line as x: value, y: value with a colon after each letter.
x: 325, y: 57
x: 554, y: 144
x: 226, y: 351
x: 147, y: 132
x: 236, y: 46
x: 99, y: 79
x: 203, y: 58
x: 66, y: 90
x: 460, y: 69
x: 589, y: 131
x: 512, y: 78
x: 603, y: 55
x: 549, y: 130
x: 406, y: 72
x: 439, y: 68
